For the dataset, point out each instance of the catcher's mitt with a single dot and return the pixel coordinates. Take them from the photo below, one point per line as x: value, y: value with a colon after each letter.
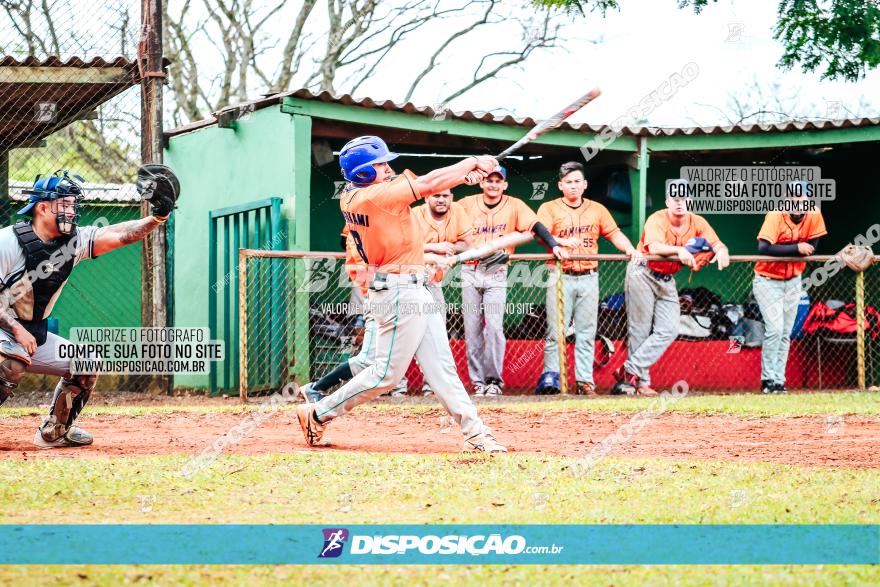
x: 494, y: 259
x: 159, y: 185
x: 858, y: 258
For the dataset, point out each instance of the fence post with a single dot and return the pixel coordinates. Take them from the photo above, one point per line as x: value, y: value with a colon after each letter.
x: 561, y: 330
x: 242, y: 326
x: 860, y: 328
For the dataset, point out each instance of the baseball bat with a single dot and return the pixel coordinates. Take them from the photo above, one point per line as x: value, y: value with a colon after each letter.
x: 544, y: 127
x: 514, y: 239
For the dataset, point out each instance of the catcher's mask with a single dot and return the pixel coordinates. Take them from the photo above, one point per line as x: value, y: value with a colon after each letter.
x: 57, y: 189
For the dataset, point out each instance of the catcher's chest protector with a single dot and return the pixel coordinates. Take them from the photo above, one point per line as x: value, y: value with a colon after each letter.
x: 40, y: 294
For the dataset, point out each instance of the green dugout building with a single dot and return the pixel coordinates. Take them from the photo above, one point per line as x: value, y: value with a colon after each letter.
x: 263, y: 174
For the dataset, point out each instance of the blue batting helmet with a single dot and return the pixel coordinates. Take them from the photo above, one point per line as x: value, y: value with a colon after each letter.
x: 358, y: 156
x: 548, y: 383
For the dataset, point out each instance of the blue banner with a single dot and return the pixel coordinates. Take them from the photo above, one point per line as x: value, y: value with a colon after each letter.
x: 440, y: 544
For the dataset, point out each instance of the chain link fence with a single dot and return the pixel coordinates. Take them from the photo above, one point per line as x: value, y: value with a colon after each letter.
x: 297, y: 322
x: 70, y: 98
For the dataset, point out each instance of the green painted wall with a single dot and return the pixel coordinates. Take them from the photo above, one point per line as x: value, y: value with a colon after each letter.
x: 221, y: 167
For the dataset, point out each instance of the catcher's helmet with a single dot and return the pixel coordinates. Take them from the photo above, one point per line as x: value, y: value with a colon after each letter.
x: 548, y: 383
x: 358, y: 156
x: 61, y: 184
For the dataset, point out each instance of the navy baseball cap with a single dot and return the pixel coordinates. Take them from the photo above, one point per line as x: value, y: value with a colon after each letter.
x: 500, y: 171
x: 697, y: 245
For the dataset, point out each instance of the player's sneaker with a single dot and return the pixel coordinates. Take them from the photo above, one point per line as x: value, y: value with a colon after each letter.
x: 312, y: 429
x: 479, y: 389
x: 426, y: 390
x: 767, y: 386
x: 75, y: 436
x: 779, y: 388
x: 399, y: 390
x: 626, y: 385
x: 646, y: 391
x: 586, y: 388
x: 483, y: 443
x: 493, y: 389
x: 309, y: 394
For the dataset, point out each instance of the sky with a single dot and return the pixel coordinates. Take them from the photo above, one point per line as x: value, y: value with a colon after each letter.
x: 628, y: 54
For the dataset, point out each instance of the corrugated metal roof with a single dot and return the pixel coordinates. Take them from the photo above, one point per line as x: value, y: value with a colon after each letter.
x: 528, y: 122
x: 94, y: 192
x: 54, y: 61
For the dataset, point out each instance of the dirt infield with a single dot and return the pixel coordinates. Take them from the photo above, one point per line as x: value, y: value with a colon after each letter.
x: 806, y: 441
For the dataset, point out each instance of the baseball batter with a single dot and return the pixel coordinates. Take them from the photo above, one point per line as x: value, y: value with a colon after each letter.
x: 37, y: 256
x: 652, y: 307
x: 577, y: 223
x: 777, y: 286
x: 376, y: 207
x: 484, y: 283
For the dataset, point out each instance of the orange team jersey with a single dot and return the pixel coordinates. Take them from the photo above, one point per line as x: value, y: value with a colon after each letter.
x: 587, y: 223
x: 353, y: 262
x: 659, y: 230
x: 509, y: 215
x: 456, y: 224
x: 382, y: 225
x: 780, y: 229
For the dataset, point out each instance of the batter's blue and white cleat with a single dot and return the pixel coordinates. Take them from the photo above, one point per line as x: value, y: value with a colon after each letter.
x: 75, y: 436
x: 483, y: 443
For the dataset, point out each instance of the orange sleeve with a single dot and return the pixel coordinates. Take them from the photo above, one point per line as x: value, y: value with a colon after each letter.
x: 464, y: 224
x: 817, y: 226
x: 525, y: 217
x: 607, y: 226
x: 546, y: 216
x: 655, y: 231
x: 705, y: 230
x: 394, y: 195
x: 770, y: 229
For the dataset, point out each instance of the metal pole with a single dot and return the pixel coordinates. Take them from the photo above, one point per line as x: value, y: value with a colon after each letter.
x: 561, y: 331
x: 154, y: 310
x: 242, y: 326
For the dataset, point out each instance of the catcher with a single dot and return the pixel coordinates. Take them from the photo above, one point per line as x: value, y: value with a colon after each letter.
x: 37, y: 256
x: 652, y: 306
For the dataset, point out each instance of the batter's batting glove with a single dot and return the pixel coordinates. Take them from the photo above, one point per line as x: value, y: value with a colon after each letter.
x: 158, y: 185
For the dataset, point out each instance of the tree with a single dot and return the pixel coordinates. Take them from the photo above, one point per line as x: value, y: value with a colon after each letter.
x: 338, y: 46
x: 839, y: 37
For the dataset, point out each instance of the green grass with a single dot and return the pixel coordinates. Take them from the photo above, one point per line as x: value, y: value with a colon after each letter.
x: 744, y: 405
x: 344, y: 488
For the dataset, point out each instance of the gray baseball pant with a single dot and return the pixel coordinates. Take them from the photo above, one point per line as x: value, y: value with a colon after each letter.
x: 580, y: 294
x: 652, y: 313
x: 405, y: 329
x: 778, y: 300
x: 484, y: 293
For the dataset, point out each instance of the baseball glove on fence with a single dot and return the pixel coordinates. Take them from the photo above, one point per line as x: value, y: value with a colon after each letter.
x: 857, y: 258
x: 158, y: 185
x: 495, y: 259
x: 701, y: 250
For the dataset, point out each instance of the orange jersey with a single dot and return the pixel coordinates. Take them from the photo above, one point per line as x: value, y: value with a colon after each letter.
x: 779, y: 228
x: 353, y: 262
x: 509, y: 215
x: 587, y: 223
x: 455, y: 224
x: 382, y: 225
x: 659, y: 230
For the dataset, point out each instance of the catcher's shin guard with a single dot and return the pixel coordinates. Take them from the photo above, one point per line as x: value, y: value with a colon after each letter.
x: 71, y: 395
x: 14, y: 361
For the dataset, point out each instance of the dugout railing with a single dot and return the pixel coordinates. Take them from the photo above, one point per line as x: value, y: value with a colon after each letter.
x: 834, y: 343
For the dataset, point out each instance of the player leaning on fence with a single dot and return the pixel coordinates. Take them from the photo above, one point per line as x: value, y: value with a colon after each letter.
x: 577, y: 223
x: 484, y: 282
x: 376, y: 208
x: 777, y: 286
x: 37, y: 256
x: 652, y: 309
